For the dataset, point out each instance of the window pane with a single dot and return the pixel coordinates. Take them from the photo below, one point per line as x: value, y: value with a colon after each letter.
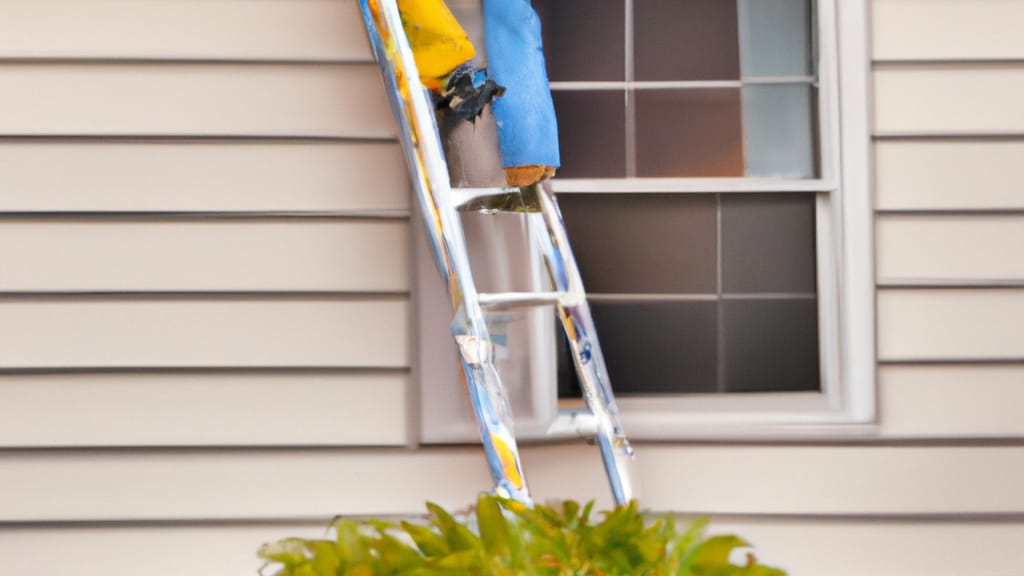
x: 775, y: 37
x: 761, y: 323
x: 499, y: 255
x: 689, y: 133
x: 779, y: 130
x: 650, y: 243
x: 592, y: 133
x: 771, y: 345
x: 654, y: 348
x: 768, y: 243
x: 583, y: 39
x: 686, y: 40
x: 498, y: 250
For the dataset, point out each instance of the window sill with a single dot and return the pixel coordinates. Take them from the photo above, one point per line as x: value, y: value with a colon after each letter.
x: 752, y: 417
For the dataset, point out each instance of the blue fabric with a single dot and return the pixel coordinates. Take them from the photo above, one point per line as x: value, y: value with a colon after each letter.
x: 527, y: 128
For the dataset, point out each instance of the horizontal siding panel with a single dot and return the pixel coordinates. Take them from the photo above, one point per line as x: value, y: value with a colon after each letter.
x: 952, y: 401
x: 180, y: 29
x: 174, y: 256
x: 949, y: 248
x: 952, y: 175
x: 65, y: 332
x: 947, y: 29
x: 203, y: 550
x: 949, y: 100
x: 964, y: 547
x: 193, y: 99
x: 253, y: 484
x: 202, y: 409
x: 951, y: 324
x: 802, y: 547
x: 827, y: 480
x: 187, y: 176
x: 218, y: 484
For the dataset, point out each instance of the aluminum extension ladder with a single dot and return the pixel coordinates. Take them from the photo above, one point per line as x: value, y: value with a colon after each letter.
x: 439, y: 205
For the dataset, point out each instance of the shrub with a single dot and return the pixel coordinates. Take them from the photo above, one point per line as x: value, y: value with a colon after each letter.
x: 504, y: 538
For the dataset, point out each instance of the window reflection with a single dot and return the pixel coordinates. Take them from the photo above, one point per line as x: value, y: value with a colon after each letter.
x: 686, y: 40
x: 689, y: 133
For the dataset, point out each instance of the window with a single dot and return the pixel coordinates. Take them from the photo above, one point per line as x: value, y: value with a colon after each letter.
x: 719, y: 215
x: 683, y: 88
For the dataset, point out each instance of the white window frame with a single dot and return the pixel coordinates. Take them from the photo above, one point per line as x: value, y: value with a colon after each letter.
x: 846, y: 406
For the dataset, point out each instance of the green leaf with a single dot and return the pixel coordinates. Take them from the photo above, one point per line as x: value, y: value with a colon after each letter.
x: 683, y: 548
x: 290, y: 551
x: 465, y: 561
x: 494, y: 531
x: 712, y: 555
x: 429, y: 542
x: 651, y: 550
x: 360, y: 570
x: 549, y: 514
x: 381, y: 526
x: 458, y: 536
x: 427, y: 571
x: 570, y: 511
x: 759, y: 570
x: 325, y: 560
x: 587, y: 509
x: 353, y: 546
x: 511, y: 539
x: 545, y: 538
x: 396, y: 555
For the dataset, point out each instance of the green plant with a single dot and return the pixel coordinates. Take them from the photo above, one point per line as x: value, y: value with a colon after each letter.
x: 504, y: 538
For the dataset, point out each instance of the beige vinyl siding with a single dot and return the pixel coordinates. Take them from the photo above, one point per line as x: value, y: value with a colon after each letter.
x: 197, y: 408
x: 947, y: 157
x: 204, y: 235
x: 938, y: 248
x: 964, y: 175
x: 812, y: 534
x: 948, y: 151
x: 947, y: 29
x: 186, y: 99
x: 951, y: 324
x: 971, y: 99
x: 893, y: 546
x: 204, y: 176
x: 278, y: 30
x: 952, y: 401
x: 316, y: 483
x: 204, y: 255
x: 229, y: 331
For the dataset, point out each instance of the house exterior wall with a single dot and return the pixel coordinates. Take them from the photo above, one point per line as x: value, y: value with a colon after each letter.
x: 198, y: 353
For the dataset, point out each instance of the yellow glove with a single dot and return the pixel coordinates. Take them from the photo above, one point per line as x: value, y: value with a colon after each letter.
x: 438, y: 43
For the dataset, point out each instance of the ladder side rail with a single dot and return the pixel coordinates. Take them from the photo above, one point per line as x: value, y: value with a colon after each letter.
x: 418, y: 130
x: 408, y: 98
x: 574, y: 313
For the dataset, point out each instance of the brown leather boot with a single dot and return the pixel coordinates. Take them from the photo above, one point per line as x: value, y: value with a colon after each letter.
x: 518, y: 176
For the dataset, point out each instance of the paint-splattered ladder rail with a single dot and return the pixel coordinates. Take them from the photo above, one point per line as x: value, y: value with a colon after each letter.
x: 439, y: 205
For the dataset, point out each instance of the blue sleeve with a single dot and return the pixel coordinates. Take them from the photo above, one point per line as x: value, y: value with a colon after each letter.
x: 527, y: 129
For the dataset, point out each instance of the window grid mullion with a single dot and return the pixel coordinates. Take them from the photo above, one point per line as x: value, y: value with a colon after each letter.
x: 690, y: 185
x: 720, y: 380
x: 628, y: 95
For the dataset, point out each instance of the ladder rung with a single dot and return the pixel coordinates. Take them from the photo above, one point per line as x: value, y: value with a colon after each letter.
x: 493, y: 200
x: 518, y: 299
x: 580, y: 423
x: 462, y: 196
